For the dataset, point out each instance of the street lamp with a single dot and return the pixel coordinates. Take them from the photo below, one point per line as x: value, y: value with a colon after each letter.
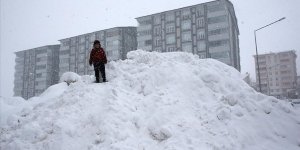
x: 256, y: 49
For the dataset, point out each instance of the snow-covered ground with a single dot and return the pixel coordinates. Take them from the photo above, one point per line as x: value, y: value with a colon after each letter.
x: 153, y: 101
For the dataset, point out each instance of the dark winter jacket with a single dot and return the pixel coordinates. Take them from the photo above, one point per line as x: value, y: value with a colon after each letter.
x: 97, y: 55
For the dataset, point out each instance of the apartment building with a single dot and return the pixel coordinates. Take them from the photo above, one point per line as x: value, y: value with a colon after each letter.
x: 35, y: 70
x: 278, y: 73
x: 74, y: 51
x: 209, y: 30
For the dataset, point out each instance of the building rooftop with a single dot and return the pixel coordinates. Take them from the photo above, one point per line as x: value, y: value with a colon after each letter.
x: 98, y: 31
x: 194, y: 6
x: 275, y: 53
x: 179, y: 8
x: 36, y: 48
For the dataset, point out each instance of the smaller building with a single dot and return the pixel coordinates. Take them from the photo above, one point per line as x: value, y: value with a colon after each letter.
x: 278, y: 74
x: 35, y: 70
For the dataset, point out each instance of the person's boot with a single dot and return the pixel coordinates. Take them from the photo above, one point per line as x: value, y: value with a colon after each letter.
x: 104, y: 80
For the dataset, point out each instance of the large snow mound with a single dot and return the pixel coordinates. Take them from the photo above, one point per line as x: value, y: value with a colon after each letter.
x: 155, y: 101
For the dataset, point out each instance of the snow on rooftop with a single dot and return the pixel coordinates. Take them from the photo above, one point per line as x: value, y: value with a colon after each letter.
x: 153, y: 101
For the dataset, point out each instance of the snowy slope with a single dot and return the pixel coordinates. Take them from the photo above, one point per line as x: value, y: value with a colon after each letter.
x: 155, y: 101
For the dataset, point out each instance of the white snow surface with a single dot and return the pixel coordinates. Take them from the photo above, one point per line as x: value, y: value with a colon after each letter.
x: 153, y: 101
x: 69, y: 77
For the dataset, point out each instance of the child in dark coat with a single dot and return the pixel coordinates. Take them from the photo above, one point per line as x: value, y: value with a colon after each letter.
x: 98, y: 59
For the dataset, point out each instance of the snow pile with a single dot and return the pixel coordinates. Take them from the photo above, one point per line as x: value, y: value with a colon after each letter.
x: 69, y: 77
x: 156, y: 101
x: 10, y: 106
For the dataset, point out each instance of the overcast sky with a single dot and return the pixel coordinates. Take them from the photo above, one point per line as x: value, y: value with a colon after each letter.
x: 33, y: 23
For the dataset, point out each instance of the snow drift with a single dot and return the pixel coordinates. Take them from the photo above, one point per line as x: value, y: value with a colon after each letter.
x: 154, y: 101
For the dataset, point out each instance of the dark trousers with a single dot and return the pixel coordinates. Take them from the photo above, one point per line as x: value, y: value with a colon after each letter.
x: 99, y: 67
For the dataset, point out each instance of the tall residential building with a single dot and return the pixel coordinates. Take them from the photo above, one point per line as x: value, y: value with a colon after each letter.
x: 209, y: 30
x: 36, y: 69
x: 74, y: 51
x: 278, y: 73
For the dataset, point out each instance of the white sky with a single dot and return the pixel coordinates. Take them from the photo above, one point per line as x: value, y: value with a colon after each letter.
x: 33, y: 23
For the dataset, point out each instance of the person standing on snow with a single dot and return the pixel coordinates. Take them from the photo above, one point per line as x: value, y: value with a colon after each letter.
x: 98, y: 59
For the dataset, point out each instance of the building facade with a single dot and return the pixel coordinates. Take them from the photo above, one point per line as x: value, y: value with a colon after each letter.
x: 278, y: 74
x: 74, y: 51
x: 36, y: 69
x: 209, y: 30
x: 298, y: 87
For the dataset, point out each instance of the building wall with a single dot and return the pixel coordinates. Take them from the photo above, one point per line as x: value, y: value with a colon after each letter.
x: 298, y: 87
x: 74, y: 51
x: 36, y: 69
x: 278, y: 73
x: 209, y: 30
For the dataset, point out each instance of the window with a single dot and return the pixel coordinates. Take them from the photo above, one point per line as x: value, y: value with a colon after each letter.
x: 201, y: 35
x: 218, y: 31
x: 66, y: 43
x: 92, y: 37
x: 202, y: 55
x: 218, y: 43
x: 82, y: 39
x: 148, y: 42
x: 81, y: 48
x: 81, y: 58
x: 157, y: 49
x: 217, y: 19
x: 116, y: 42
x: 145, y: 32
x: 112, y: 43
x: 186, y: 36
x: 72, y: 60
x: 157, y: 20
x: 64, y: 60
x: 186, y: 14
x: 187, y: 48
x: 201, y: 46
x: 112, y: 33
x: 200, y: 12
x: 38, y: 75
x: 186, y: 24
x: 145, y: 22
x: 157, y: 41
x: 170, y: 39
x: 73, y: 41
x: 219, y: 55
x: 214, y: 8
x: 38, y: 59
x: 40, y: 67
x: 81, y: 66
x: 284, y: 72
x: 101, y: 35
x: 200, y: 22
x: 284, y: 60
x: 170, y: 28
x: 109, y: 53
x: 170, y: 17
x: 157, y: 30
x: 171, y: 49
x: 41, y: 51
